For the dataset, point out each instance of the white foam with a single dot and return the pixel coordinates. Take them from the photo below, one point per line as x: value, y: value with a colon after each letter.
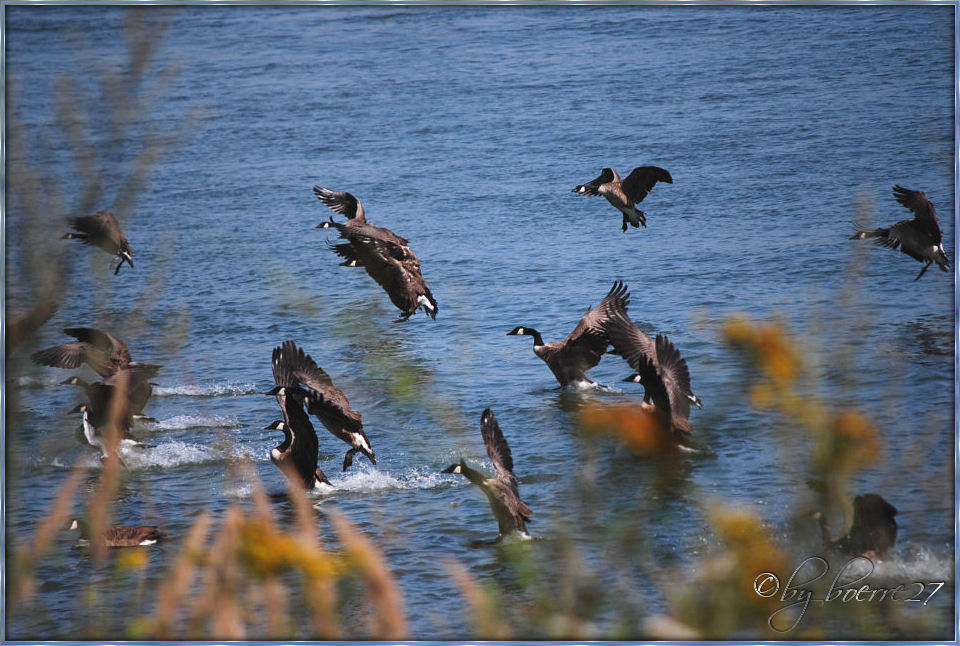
x: 169, y: 454
x: 39, y: 382
x: 180, y: 422
x: 371, y: 480
x: 216, y: 389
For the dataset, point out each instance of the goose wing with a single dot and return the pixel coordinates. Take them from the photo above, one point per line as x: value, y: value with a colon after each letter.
x: 588, y: 341
x: 675, y: 380
x: 339, y: 202
x: 593, y: 186
x: 923, y: 212
x: 642, y: 179
x: 496, y: 443
x: 102, y: 340
x: 100, y: 224
x: 386, y: 241
x: 631, y: 343
x: 324, y: 400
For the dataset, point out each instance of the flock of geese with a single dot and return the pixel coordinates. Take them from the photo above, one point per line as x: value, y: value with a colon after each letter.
x: 303, y: 389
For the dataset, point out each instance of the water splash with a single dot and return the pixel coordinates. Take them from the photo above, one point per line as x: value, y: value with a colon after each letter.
x: 372, y: 480
x: 169, y: 454
x: 215, y: 389
x: 181, y: 422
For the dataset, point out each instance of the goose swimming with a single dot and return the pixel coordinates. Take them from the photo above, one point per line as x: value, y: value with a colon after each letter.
x: 625, y: 194
x: 570, y: 359
x: 121, y: 536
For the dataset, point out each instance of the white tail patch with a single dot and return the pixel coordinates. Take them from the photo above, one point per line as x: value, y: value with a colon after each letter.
x: 423, y: 300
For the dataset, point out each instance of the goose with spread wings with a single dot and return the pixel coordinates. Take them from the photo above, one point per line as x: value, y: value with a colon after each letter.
x: 386, y: 257
x: 502, y: 491
x: 570, y: 359
x: 662, y: 371
x: 102, y: 230
x: 110, y: 358
x: 920, y: 238
x: 303, y: 383
x: 625, y: 194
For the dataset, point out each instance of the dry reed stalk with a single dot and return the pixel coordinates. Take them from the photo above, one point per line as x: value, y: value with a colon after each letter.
x: 390, y: 623
x: 486, y: 618
x: 176, y: 586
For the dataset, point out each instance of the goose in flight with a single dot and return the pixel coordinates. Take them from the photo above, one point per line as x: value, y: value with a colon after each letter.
x: 920, y: 238
x: 625, y: 194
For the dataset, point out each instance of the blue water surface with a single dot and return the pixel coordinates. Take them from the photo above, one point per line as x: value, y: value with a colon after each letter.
x: 464, y: 129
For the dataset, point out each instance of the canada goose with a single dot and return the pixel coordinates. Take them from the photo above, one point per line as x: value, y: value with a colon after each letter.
x: 102, y: 351
x: 873, y: 532
x: 624, y: 195
x: 640, y: 342
x: 662, y: 371
x: 93, y: 436
x: 121, y: 536
x: 100, y: 396
x: 920, y: 238
x: 301, y: 382
x: 300, y: 447
x: 109, y: 357
x: 101, y: 230
x: 502, y: 491
x: 387, y: 257
x: 570, y: 359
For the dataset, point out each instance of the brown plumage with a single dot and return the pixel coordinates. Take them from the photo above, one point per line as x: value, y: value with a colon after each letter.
x: 625, y: 194
x: 120, y: 535
x: 303, y: 383
x: 387, y: 257
x: 661, y: 370
x: 920, y: 238
x: 102, y: 230
x: 502, y: 491
x: 873, y: 532
x: 110, y: 358
x: 570, y: 359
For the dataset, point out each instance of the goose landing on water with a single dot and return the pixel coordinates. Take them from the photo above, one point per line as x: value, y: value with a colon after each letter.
x: 873, y: 532
x: 920, y: 238
x: 299, y: 450
x: 386, y: 257
x: 302, y: 383
x: 570, y: 359
x: 511, y: 512
x: 102, y: 230
x: 625, y: 194
x: 661, y: 370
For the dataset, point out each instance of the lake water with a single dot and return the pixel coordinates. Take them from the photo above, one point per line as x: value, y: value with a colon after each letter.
x: 464, y: 129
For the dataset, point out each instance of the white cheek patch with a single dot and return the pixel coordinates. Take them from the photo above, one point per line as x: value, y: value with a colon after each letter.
x: 275, y: 454
x: 458, y: 469
x: 520, y: 330
x: 425, y: 302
